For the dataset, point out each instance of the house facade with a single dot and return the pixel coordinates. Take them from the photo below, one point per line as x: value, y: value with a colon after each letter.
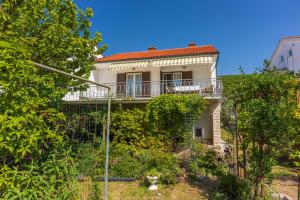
x: 137, y: 77
x: 286, y: 55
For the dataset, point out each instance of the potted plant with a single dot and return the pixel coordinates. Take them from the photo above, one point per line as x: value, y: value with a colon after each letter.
x: 152, y: 177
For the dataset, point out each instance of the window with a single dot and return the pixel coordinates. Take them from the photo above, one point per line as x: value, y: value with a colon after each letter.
x: 290, y: 53
x: 198, y: 132
x: 281, y: 59
x: 134, y: 84
x: 177, y: 78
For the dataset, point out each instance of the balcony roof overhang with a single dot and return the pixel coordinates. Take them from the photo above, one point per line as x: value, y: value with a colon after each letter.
x: 176, y: 61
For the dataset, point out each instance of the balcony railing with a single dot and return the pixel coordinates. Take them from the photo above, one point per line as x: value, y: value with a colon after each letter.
x: 210, y: 88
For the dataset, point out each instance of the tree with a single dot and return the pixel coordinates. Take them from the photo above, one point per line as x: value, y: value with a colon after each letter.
x: 58, y: 32
x: 269, y: 119
x: 55, y: 33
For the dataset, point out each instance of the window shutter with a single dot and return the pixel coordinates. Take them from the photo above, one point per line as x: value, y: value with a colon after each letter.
x: 187, y: 78
x: 121, y: 84
x: 146, y: 78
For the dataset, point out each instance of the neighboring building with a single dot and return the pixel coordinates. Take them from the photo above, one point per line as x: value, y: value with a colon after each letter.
x: 136, y: 77
x: 286, y: 56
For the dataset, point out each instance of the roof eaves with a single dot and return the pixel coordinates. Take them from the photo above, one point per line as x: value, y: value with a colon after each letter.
x: 154, y: 57
x: 276, y: 49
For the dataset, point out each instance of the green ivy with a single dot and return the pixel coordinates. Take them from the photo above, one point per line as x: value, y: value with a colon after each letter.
x: 162, y: 123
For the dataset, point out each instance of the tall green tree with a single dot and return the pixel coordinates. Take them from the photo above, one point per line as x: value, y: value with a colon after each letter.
x: 269, y: 119
x: 59, y: 33
x: 54, y: 33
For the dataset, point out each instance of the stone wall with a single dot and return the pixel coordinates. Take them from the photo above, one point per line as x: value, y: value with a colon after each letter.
x: 216, y: 122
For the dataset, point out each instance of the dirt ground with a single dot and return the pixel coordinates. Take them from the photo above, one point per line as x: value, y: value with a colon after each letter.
x: 286, y: 181
x: 287, y: 185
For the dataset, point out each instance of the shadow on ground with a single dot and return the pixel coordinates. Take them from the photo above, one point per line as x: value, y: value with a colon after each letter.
x: 207, y: 184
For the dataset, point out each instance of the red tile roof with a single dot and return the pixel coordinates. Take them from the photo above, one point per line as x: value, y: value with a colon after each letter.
x: 188, y: 51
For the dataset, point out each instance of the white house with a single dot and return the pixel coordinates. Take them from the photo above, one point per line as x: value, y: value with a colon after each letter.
x: 286, y: 55
x: 136, y: 77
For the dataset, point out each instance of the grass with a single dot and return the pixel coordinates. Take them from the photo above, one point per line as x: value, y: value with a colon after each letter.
x: 133, y: 191
x: 226, y: 136
x: 281, y: 171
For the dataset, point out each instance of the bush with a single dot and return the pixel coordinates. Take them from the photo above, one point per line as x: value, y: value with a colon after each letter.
x: 232, y: 188
x: 128, y: 129
x: 86, y: 154
x: 166, y: 114
x: 124, y: 163
x: 162, y: 123
x: 166, y: 165
x: 50, y: 178
x: 131, y: 164
x: 203, y: 161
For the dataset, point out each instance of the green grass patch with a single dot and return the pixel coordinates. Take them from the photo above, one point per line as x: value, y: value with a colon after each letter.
x: 134, y: 191
x: 282, y: 171
x: 226, y: 136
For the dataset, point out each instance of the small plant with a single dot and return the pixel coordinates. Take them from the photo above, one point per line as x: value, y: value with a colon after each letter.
x: 165, y: 164
x: 232, y: 188
x: 203, y: 161
x: 153, y: 172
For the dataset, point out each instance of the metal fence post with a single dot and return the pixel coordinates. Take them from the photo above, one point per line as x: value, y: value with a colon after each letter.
x: 108, y: 113
x: 107, y: 144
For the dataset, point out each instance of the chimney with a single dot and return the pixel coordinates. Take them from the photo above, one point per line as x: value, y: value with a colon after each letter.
x: 152, y: 48
x: 192, y: 44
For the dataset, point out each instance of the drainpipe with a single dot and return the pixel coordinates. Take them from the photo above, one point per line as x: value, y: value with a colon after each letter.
x: 108, y: 113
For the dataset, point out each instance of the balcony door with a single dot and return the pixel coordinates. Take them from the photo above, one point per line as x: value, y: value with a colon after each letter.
x: 134, y: 85
x: 167, y: 83
x: 177, y: 79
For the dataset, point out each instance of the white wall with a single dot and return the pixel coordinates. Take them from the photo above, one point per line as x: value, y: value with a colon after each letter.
x: 199, y: 72
x: 102, y: 74
x: 205, y: 122
x: 291, y: 63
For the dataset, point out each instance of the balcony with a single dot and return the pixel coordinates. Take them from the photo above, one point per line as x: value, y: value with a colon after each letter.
x: 145, y: 90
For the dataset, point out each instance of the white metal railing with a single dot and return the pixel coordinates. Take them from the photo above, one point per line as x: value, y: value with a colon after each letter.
x: 209, y: 88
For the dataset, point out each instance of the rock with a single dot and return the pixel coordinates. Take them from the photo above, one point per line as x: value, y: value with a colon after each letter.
x: 158, y: 194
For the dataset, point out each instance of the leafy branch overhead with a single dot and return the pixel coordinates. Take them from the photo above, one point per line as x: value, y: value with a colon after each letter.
x: 55, y: 33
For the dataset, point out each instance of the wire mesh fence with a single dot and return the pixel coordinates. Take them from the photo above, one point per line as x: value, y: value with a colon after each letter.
x: 87, y: 123
x: 86, y: 128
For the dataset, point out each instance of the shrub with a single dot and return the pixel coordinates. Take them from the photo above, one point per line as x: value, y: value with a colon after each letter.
x: 232, y: 188
x: 203, y: 161
x: 162, y: 123
x: 122, y: 163
x: 50, y: 178
x: 86, y: 154
x: 166, y: 164
x: 128, y: 129
x: 166, y: 114
x: 126, y: 163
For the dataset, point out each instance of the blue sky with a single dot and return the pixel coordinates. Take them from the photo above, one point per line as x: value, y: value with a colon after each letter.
x: 245, y: 32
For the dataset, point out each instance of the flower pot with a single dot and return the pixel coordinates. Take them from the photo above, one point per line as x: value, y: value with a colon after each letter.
x: 153, y: 181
